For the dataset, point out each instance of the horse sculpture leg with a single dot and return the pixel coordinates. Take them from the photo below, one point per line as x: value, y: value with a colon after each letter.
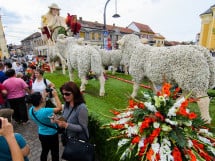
x: 63, y: 67
x: 51, y: 67
x: 135, y: 89
x: 83, y: 83
x: 203, y: 104
x: 102, y: 85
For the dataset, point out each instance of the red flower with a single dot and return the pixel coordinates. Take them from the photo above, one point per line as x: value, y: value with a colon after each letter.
x: 182, y: 111
x: 191, y: 155
x: 141, y: 105
x: 154, y: 134
x: 205, y: 155
x: 150, y: 154
x: 197, y: 145
x: 159, y: 115
x: 115, y: 112
x: 192, y: 115
x: 117, y: 126
x: 135, y: 140
x: 166, y: 89
x: 145, y: 124
x: 131, y: 103
x: 176, y: 154
x: 115, y: 118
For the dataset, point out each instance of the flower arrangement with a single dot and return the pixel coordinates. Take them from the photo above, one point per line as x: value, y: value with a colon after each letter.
x: 162, y: 128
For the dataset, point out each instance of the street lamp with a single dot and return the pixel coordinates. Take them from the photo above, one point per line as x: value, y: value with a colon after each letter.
x: 105, y: 32
x: 116, y: 15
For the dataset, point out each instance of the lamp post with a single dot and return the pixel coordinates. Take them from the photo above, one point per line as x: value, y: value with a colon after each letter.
x: 105, y: 32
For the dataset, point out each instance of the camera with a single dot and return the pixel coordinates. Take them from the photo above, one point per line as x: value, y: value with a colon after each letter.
x: 49, y: 91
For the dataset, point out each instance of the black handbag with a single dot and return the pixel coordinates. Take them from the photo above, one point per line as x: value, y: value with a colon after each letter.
x: 78, y: 150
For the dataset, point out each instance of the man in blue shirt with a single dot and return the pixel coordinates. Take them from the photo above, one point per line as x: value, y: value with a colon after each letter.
x: 2, y: 73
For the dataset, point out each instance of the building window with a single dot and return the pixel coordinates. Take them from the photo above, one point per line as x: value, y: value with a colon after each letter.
x: 93, y: 36
x: 82, y: 35
x: 99, y: 36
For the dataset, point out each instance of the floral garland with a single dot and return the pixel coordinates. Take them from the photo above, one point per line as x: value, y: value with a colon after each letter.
x: 161, y: 128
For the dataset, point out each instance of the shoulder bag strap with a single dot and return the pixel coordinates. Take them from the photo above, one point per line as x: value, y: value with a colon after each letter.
x: 42, y: 122
x: 68, y: 118
x: 45, y: 82
x: 85, y: 133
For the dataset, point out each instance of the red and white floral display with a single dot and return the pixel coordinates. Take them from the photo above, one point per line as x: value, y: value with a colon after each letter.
x: 162, y: 128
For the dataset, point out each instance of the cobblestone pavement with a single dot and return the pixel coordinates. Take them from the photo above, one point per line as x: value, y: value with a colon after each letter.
x: 29, y: 132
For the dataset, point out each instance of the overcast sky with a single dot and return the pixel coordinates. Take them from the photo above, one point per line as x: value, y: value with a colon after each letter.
x: 176, y: 20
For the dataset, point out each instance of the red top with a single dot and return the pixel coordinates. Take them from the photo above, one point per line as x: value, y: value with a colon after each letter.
x: 1, y: 98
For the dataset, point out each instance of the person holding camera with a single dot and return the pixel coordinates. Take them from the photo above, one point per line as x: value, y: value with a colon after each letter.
x: 42, y: 84
x: 41, y: 115
x: 13, y: 146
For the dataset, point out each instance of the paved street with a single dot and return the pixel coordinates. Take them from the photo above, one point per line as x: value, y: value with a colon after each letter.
x: 29, y: 131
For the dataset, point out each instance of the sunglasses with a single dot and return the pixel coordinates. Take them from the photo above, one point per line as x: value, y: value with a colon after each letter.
x: 66, y: 94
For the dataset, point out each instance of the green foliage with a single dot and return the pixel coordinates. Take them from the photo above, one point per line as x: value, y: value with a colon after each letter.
x: 211, y: 92
x: 179, y: 136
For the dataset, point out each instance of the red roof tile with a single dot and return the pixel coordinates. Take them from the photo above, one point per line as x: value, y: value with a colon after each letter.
x: 143, y: 27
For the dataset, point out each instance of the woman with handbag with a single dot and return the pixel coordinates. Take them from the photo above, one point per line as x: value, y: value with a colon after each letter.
x: 75, y: 114
x: 48, y: 134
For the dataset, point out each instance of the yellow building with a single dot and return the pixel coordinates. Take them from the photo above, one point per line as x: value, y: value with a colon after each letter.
x: 207, y: 34
x: 158, y: 39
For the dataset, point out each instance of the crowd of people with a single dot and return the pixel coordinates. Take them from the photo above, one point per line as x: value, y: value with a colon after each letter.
x: 23, y: 98
x: 25, y: 94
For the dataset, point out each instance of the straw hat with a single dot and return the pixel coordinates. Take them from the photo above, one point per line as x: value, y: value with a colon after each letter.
x: 54, y: 6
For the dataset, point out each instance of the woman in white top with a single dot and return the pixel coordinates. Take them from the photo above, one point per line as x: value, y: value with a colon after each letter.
x: 40, y: 84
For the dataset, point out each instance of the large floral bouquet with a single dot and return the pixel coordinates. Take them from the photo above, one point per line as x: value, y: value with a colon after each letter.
x: 162, y: 128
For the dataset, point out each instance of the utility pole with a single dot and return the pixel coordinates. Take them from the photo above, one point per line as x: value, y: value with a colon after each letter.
x: 3, y: 44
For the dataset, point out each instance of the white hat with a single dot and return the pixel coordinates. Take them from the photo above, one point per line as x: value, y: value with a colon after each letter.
x: 55, y: 6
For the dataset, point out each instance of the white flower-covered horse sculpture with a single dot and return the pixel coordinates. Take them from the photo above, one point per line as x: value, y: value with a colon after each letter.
x: 83, y: 58
x: 189, y: 66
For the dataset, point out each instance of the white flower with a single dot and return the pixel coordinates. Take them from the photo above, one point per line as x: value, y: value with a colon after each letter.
x: 150, y: 106
x: 147, y: 96
x: 156, y: 125
x: 156, y: 147
x: 132, y: 130
x: 136, y: 107
x: 141, y: 142
x: 205, y: 140
x: 205, y: 131
x: 125, y: 154
x: 188, y: 123
x: 165, y: 151
x: 122, y: 142
x: 190, y: 144
x: 166, y: 128
x: 211, y: 149
x: 171, y: 122
x: 125, y: 114
x: 172, y: 111
x: 123, y: 120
